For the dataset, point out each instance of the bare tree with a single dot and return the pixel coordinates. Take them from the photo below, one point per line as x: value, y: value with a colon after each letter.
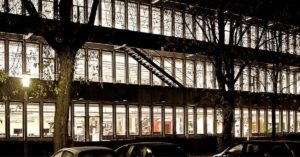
x: 66, y: 39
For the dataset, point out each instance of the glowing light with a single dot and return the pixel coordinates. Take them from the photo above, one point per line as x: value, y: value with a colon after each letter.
x: 26, y: 80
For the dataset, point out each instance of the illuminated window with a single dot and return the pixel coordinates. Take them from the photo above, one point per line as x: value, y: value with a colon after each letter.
x: 292, y: 81
x: 119, y: 14
x: 132, y: 16
x: 168, y: 120
x: 79, y: 122
x: 178, y: 24
x: 32, y: 60
x: 156, y: 21
x: 246, y: 76
x: 298, y: 122
x: 237, y: 124
x: 179, y: 120
x: 291, y: 44
x: 245, y: 122
x: 226, y: 32
x: 189, y: 80
x: 15, y: 58
x: 298, y: 83
x: 16, y: 119
x: 145, y: 120
x: 145, y: 75
x: 121, y: 120
x: 270, y: 81
x: 284, y: 121
x: 2, y: 7
x: 107, y: 66
x: 262, y: 123
x: 2, y: 120
x: 200, y: 74
x: 156, y: 80
x: 94, y: 122
x: 107, y: 124
x: 15, y: 7
x: 210, y: 121
x: 79, y: 67
x: 269, y: 121
x: 48, y: 9
x: 254, y: 121
x: 297, y: 48
x: 2, y: 55
x: 254, y: 80
x: 292, y: 121
x: 144, y: 18
x: 133, y: 120
x: 90, y: 4
x: 157, y: 122
x: 133, y: 70
x: 209, y: 75
x: 237, y: 85
x: 199, y: 29
x: 191, y: 126
x: 179, y: 70
x: 262, y: 78
x: 120, y: 68
x: 48, y: 63
x: 33, y: 120
x: 219, y: 121
x: 284, y: 83
x: 189, y: 26
x: 168, y: 66
x: 167, y: 22
x: 48, y: 119
x: 93, y: 65
x: 278, y: 123
x: 200, y: 121
x: 78, y: 11
x: 284, y: 40
x: 106, y: 13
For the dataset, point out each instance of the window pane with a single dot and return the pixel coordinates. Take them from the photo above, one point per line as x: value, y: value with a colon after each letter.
x: 168, y: 66
x: 298, y: 122
x: 219, y: 121
x: 2, y: 8
x: 145, y: 75
x: 278, y: 121
x: 132, y: 16
x: 48, y: 9
x: 178, y: 24
x: 107, y: 120
x: 189, y: 26
x: 90, y: 3
x: 32, y: 60
x: 246, y: 76
x: 191, y: 126
x: 284, y: 121
x: 245, y: 122
x: 2, y: 120
x: 199, y: 29
x: 48, y: 62
x: 210, y: 121
x: 292, y: 121
x: 178, y: 70
x: 133, y: 70
x: 2, y: 55
x: 79, y: 122
x: 167, y: 22
x: 79, y: 68
x: 209, y: 75
x: 107, y: 66
x: 48, y: 119
x: 120, y: 68
x: 179, y: 120
x: 15, y: 58
x: 119, y: 14
x: 237, y: 124
x: 253, y: 36
x: 15, y: 7
x: 16, y: 119
x: 262, y: 123
x: 168, y: 120
x: 106, y: 13
x: 144, y: 18
x: 121, y: 120
x: 254, y: 121
x: 189, y: 73
x: 133, y: 120
x: 156, y: 80
x: 93, y: 65
x: 156, y: 20
x: 200, y: 121
x: 33, y: 120
x: 145, y: 120
x: 200, y: 74
x: 78, y: 11
x: 94, y: 122
x: 157, y: 120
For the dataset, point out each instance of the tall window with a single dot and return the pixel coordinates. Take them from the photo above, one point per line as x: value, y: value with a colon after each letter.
x: 93, y: 65
x: 167, y: 22
x: 119, y: 14
x: 90, y: 4
x: 179, y: 70
x: 133, y: 70
x: 253, y: 36
x: 106, y: 13
x: 189, y: 80
x: 199, y: 29
x: 120, y: 120
x: 2, y: 120
x: 145, y: 120
x: 168, y: 66
x: 157, y: 120
x: 200, y: 121
x: 219, y: 121
x: 227, y: 32
x: 200, y: 74
x: 179, y: 120
x: 298, y: 122
x: 48, y: 9
x: 33, y: 120
x: 209, y: 75
x: 120, y: 68
x: 269, y: 121
x: 145, y: 75
x: 291, y: 44
x: 284, y: 82
x: 210, y: 120
x: 32, y: 60
x: 254, y: 80
x: 2, y: 7
x: 292, y: 121
x: 79, y: 122
x: 238, y: 82
x: 15, y: 58
x: 107, y: 124
x: 107, y: 66
x: 191, y: 126
x: 246, y: 76
x: 156, y: 80
x: 133, y: 120
x: 168, y: 120
x: 178, y: 25
x: 132, y: 16
x: 78, y: 11
x: 237, y: 124
x: 16, y: 119
x: 48, y: 63
x: 262, y: 122
x: 15, y: 7
x: 284, y: 42
x: 254, y: 124
x: 2, y: 55
x: 79, y: 68
x: 284, y: 121
x: 156, y: 20
x: 245, y: 122
x: 297, y: 40
x: 94, y: 122
x: 189, y: 26
x: 262, y: 78
x: 278, y: 124
x: 48, y: 119
x: 144, y: 18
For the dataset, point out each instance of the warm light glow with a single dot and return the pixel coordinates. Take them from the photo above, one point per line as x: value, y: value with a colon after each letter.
x: 25, y: 80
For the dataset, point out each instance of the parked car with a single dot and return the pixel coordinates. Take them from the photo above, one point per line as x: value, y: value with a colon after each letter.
x: 86, y: 151
x: 259, y: 148
x: 151, y: 149
x: 294, y: 146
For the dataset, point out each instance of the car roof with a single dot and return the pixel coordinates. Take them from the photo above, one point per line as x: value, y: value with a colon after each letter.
x: 152, y: 143
x: 85, y: 148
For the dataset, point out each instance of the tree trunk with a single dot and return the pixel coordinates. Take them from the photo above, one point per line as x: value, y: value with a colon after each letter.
x: 67, y: 59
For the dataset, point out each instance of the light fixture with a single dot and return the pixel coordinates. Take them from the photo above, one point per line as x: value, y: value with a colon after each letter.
x: 154, y: 1
x: 26, y: 80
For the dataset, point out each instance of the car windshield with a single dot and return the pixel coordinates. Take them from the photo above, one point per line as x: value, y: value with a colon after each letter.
x: 167, y: 150
x: 97, y: 153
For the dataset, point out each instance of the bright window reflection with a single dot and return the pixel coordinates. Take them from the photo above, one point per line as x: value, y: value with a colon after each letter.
x: 16, y: 119
x: 15, y: 58
x: 245, y: 122
x: 200, y: 121
x: 79, y: 122
x: 79, y: 67
x: 93, y: 65
x: 156, y: 21
x: 157, y: 122
x: 106, y: 13
x: 90, y: 4
x: 179, y: 120
x: 191, y: 126
x: 48, y: 119
x: 237, y: 124
x: 132, y: 16
x: 200, y: 74
x: 246, y: 76
x: 15, y: 7
x: 254, y: 121
x: 120, y: 68
x: 209, y: 75
x: 133, y: 120
x: 262, y: 123
x: 253, y: 36
x: 168, y: 120
x: 210, y: 121
x: 32, y: 60
x: 144, y: 18
x: 2, y: 55
x: 189, y: 80
x: 168, y: 66
x: 292, y: 121
x: 107, y: 120
x: 107, y: 66
x: 167, y: 22
x: 199, y: 29
x: 119, y: 14
x: 94, y: 122
x: 2, y: 120
x: 132, y: 70
x: 219, y: 121
x: 284, y: 121
x: 145, y: 120
x: 48, y: 60
x: 33, y: 120
x: 121, y: 120
x: 179, y: 70
x: 189, y: 26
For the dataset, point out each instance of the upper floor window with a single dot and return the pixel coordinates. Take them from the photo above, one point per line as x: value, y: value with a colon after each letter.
x: 48, y: 9
x: 78, y: 11
x: 15, y: 58
x: 144, y: 18
x: 199, y: 28
x: 209, y: 75
x: 32, y: 60
x: 93, y: 65
x: 227, y: 32
x: 132, y: 16
x: 48, y: 62
x: 90, y: 4
x: 120, y: 14
x: 167, y: 22
x: 200, y: 74
x: 179, y: 70
x: 120, y: 68
x: 107, y: 66
x: 189, y: 73
x: 156, y: 20
x: 2, y: 55
x: 178, y: 24
x: 189, y: 26
x: 132, y: 70
x: 253, y: 36
x: 15, y: 7
x: 106, y: 13
x: 79, y: 70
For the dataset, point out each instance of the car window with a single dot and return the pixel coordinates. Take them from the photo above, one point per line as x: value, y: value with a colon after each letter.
x: 58, y: 154
x: 254, y: 149
x: 279, y: 149
x: 235, y: 150
x: 138, y: 151
x: 67, y: 154
x: 123, y: 151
